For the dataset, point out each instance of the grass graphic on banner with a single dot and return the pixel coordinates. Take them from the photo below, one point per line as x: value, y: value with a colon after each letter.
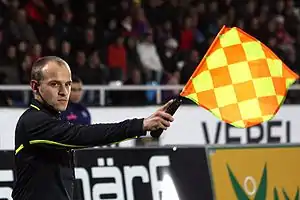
x: 261, y: 193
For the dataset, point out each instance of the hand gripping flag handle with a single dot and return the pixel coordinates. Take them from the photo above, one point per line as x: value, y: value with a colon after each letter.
x: 171, y: 110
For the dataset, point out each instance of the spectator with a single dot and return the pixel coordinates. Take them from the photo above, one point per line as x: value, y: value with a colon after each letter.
x: 5, y: 99
x: 170, y: 56
x: 279, y: 7
x: 213, y: 10
x: 124, y: 9
x: 11, y: 56
x: 36, y: 52
x: 89, y: 42
x: 297, y: 47
x: 141, y: 25
x: 92, y: 22
x: 240, y: 23
x: 80, y: 64
x: 36, y: 10
x: 225, y: 6
x: 172, y: 12
x: 135, y: 97
x: 255, y: 29
x: 95, y: 72
x: 117, y: 56
x: 92, y: 72
x: 66, y: 52
x: 96, y: 64
x: 133, y: 60
x: 187, y: 35
x: 126, y: 24
x: 165, y: 32
x: 2, y: 47
x: 90, y: 11
x: 249, y: 13
x: 51, y: 47
x: 26, y: 69
x: 10, y: 11
x: 189, y: 67
x: 173, y: 79
x: 10, y: 67
x: 66, y: 28
x: 91, y: 8
x: 21, y: 30
x: 22, y: 50
x: 292, y: 17
x: 50, y: 28
x: 111, y: 32
x: 273, y: 45
x: 149, y: 58
x: 76, y: 112
x: 154, y: 12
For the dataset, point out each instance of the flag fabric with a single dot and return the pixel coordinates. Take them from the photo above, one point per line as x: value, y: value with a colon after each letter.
x: 239, y: 80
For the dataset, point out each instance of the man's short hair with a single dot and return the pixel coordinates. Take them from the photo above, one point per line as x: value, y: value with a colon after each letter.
x: 76, y: 79
x: 39, y: 64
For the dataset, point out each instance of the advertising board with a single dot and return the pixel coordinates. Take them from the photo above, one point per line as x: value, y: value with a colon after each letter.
x: 131, y: 174
x: 192, y: 126
x: 264, y: 173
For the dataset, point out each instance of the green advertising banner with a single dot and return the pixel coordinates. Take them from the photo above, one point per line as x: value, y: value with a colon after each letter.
x: 256, y: 173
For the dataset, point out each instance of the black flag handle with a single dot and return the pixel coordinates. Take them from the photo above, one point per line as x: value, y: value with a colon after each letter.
x: 171, y: 109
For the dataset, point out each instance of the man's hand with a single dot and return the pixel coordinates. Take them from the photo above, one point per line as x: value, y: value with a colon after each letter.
x: 159, y: 119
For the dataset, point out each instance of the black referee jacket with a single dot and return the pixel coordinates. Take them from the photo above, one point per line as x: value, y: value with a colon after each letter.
x: 44, y: 163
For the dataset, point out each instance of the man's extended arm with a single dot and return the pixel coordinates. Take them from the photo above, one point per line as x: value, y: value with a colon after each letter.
x: 48, y: 130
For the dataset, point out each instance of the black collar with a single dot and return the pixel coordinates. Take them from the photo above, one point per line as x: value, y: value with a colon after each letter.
x: 44, y: 107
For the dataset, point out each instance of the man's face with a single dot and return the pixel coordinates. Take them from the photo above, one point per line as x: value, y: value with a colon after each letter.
x: 55, y: 86
x: 76, y: 92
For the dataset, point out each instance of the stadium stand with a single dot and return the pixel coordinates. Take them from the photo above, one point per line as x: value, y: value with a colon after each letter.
x: 135, y: 42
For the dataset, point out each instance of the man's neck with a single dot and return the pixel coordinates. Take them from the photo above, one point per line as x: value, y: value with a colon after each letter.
x: 45, y: 105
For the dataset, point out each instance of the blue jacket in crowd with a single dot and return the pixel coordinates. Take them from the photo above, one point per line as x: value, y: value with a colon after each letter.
x: 76, y: 113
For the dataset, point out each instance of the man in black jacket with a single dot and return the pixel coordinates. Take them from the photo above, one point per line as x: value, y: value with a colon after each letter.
x: 44, y: 166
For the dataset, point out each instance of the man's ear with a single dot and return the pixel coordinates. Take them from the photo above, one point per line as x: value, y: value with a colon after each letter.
x: 34, y: 86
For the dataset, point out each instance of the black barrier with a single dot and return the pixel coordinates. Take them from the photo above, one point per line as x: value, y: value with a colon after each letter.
x: 6, y: 174
x: 134, y: 174
x: 137, y: 173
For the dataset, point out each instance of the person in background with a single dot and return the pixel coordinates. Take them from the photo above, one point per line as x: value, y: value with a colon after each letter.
x: 76, y: 112
x: 5, y: 99
x: 134, y: 97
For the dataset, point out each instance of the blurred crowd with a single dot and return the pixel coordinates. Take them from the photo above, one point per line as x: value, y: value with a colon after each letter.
x: 136, y: 42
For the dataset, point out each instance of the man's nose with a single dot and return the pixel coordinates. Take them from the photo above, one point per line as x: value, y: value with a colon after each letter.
x: 63, y: 91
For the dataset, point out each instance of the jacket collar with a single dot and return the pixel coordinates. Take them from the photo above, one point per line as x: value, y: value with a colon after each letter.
x: 44, y: 107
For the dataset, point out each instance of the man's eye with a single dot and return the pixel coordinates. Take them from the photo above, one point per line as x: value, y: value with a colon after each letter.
x: 54, y: 84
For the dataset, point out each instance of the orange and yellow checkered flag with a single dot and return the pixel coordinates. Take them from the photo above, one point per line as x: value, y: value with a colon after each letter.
x: 239, y: 80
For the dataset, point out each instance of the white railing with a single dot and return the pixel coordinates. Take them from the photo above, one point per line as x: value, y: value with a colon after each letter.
x: 103, y: 88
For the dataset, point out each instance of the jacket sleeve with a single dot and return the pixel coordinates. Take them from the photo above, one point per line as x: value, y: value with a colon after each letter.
x: 44, y: 129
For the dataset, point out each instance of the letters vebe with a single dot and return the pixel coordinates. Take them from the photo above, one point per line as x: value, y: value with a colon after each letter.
x: 271, y: 132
